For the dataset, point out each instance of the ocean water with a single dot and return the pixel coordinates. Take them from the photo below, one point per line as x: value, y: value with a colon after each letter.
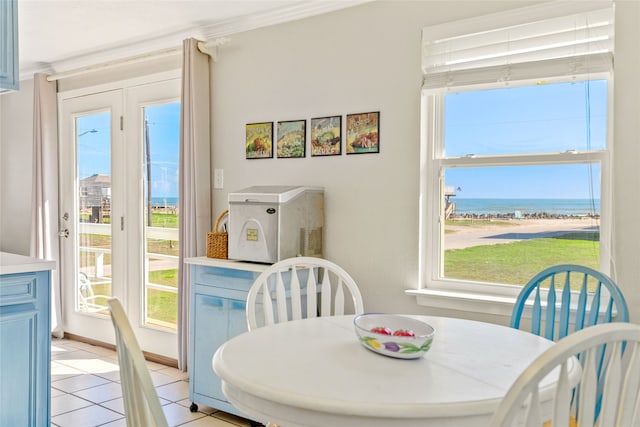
x: 575, y: 207
x: 164, y: 201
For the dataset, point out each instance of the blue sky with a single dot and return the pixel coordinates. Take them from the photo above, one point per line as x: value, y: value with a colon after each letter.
x: 164, y: 128
x: 538, y: 182
x: 542, y: 118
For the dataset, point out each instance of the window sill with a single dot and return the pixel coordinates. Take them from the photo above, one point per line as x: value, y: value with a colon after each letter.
x: 464, y: 301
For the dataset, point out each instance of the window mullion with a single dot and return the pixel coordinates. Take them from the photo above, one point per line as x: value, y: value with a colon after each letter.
x: 523, y: 160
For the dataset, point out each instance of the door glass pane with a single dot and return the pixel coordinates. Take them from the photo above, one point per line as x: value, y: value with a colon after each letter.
x: 93, y: 142
x: 161, y: 141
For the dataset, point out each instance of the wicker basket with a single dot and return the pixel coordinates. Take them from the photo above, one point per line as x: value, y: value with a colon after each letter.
x: 217, y: 241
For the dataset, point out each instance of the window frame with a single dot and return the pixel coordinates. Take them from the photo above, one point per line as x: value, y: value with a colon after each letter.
x: 432, y: 163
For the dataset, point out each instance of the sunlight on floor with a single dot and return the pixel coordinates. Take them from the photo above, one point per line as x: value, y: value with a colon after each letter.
x: 85, y: 391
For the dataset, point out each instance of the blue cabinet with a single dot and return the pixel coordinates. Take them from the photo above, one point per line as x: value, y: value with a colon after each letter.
x: 9, y: 78
x: 25, y: 349
x: 218, y: 293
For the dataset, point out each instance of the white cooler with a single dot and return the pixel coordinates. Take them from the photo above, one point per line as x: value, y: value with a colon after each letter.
x: 271, y: 223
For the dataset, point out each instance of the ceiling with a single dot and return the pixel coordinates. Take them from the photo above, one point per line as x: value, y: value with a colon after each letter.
x: 61, y: 35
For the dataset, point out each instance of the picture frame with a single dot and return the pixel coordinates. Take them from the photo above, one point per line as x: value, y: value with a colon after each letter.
x: 259, y: 140
x: 363, y: 133
x: 292, y: 139
x: 326, y: 136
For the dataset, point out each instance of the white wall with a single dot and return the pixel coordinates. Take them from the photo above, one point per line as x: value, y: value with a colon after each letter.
x: 626, y: 236
x: 361, y: 59
x: 365, y: 58
x: 16, y: 146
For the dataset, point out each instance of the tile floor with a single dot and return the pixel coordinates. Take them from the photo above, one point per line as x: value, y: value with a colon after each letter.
x: 85, y: 391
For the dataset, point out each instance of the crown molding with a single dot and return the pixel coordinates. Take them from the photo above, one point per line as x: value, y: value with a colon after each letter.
x: 281, y: 15
x: 205, y: 33
x: 114, y: 53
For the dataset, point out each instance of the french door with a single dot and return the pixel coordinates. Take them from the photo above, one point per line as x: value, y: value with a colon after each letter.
x: 119, y: 212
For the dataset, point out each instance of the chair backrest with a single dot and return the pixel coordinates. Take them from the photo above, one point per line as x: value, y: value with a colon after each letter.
x: 87, y: 300
x: 294, y: 284
x: 141, y: 404
x: 577, y: 395
x: 85, y: 291
x: 567, y: 294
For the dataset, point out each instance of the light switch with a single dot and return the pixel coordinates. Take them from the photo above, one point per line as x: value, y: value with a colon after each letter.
x: 218, y: 178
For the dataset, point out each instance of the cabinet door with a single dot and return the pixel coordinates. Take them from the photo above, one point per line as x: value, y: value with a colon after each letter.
x: 216, y: 321
x: 237, y: 318
x: 18, y: 367
x: 211, y: 331
x: 9, y: 45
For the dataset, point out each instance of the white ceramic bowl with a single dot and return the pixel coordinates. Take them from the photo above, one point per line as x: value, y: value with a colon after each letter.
x: 401, y: 347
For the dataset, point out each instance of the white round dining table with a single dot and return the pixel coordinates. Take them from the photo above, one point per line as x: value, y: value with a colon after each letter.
x: 315, y: 373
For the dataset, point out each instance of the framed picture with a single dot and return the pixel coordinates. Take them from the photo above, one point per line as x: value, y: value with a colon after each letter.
x: 291, y: 141
x: 363, y: 131
x: 259, y: 141
x: 326, y: 136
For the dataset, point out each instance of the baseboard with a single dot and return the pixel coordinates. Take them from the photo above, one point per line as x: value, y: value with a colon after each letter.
x: 151, y: 357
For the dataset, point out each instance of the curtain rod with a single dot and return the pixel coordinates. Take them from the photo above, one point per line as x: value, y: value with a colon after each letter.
x: 208, y: 48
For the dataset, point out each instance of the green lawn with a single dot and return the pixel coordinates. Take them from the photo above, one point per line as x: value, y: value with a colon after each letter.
x: 517, y: 262
x: 513, y: 263
x: 167, y: 220
x: 161, y: 305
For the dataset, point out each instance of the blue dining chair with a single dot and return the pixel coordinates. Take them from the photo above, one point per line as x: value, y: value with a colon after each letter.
x: 567, y: 294
x: 564, y: 294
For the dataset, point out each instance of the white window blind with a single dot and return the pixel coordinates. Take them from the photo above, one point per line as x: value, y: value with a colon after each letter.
x: 527, y: 43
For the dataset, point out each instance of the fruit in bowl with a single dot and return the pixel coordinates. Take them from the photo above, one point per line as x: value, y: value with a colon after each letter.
x: 404, y: 333
x: 392, y: 335
x: 381, y: 330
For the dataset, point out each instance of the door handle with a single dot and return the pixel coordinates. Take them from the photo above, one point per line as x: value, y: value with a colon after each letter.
x: 64, y: 233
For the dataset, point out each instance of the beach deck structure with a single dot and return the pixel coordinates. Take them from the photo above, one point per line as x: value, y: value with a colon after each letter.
x: 95, y: 195
x: 449, y: 207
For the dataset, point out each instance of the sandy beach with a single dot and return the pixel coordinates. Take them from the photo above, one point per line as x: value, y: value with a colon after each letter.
x: 460, y: 237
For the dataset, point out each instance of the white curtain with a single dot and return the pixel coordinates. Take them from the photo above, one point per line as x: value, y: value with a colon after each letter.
x: 44, y: 225
x: 195, y: 177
